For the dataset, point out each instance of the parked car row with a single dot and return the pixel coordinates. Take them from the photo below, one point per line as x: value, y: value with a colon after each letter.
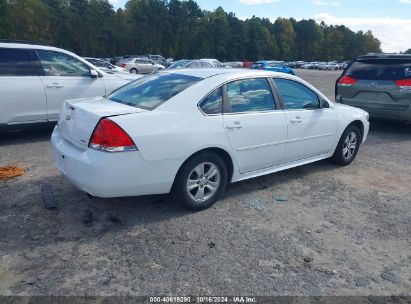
x: 140, y: 65
x: 274, y: 66
x: 331, y: 65
x: 196, y: 63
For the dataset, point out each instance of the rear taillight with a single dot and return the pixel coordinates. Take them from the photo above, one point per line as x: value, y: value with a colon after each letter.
x: 403, y: 83
x: 123, y: 65
x: 346, y: 81
x: 110, y: 137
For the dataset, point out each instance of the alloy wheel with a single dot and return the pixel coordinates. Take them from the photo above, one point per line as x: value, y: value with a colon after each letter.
x: 350, y: 145
x: 203, y: 182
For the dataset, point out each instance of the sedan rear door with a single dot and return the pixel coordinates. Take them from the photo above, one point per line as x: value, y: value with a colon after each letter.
x: 255, y: 125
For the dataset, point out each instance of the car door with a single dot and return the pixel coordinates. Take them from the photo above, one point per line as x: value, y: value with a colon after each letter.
x: 66, y: 77
x: 22, y: 97
x: 312, y: 123
x: 144, y: 66
x: 255, y: 125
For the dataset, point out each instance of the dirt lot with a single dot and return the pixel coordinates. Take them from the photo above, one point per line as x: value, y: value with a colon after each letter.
x: 314, y: 230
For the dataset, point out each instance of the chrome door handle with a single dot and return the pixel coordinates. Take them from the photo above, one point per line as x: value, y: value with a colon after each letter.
x: 296, y: 120
x: 55, y: 86
x: 233, y: 127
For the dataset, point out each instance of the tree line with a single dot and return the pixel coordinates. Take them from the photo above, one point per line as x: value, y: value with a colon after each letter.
x: 177, y: 29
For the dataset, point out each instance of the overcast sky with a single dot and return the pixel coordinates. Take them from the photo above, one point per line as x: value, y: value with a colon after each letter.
x: 389, y: 20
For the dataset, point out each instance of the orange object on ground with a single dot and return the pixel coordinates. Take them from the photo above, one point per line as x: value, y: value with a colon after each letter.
x: 10, y: 172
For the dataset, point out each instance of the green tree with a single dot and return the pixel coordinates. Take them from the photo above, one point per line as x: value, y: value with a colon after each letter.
x: 308, y: 39
x: 27, y: 19
x: 176, y: 28
x: 285, y: 35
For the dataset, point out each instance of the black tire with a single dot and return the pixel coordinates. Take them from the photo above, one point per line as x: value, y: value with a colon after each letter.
x: 180, y: 190
x: 135, y: 70
x: 340, y: 156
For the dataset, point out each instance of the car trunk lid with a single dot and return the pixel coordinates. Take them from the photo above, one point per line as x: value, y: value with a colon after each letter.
x: 79, y: 117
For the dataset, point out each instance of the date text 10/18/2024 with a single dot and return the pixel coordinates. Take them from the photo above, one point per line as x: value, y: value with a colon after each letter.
x: 234, y: 299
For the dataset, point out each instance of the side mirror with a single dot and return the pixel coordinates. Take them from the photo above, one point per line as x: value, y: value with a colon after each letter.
x: 93, y: 74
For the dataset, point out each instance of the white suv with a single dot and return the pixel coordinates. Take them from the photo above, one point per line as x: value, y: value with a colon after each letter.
x: 36, y: 79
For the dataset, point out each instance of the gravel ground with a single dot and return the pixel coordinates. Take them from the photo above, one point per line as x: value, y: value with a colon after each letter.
x: 313, y: 230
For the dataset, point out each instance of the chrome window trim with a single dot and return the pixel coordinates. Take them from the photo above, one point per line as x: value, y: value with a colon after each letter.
x: 277, y: 104
x: 282, y: 102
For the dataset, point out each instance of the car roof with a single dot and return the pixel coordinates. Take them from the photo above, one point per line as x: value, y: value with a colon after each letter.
x: 28, y: 45
x: 384, y: 56
x: 227, y: 72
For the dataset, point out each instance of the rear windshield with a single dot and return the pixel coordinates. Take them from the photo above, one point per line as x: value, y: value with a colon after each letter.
x: 151, y: 91
x: 380, y: 70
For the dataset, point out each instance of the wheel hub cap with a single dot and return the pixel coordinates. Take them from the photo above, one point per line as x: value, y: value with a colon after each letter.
x: 350, y: 145
x: 203, y: 182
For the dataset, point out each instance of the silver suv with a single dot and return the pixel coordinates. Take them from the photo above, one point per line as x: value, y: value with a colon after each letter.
x: 379, y: 84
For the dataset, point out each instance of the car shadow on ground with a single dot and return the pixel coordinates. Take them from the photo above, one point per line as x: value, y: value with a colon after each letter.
x: 390, y: 126
x: 26, y: 136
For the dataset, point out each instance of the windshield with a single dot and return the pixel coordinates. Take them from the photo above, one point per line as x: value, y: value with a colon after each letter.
x: 151, y: 91
x: 380, y: 70
x: 179, y: 64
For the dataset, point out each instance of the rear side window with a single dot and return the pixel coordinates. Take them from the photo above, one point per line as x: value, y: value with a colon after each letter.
x: 297, y: 96
x: 380, y: 70
x: 213, y: 103
x: 250, y: 95
x: 151, y: 91
x: 16, y: 62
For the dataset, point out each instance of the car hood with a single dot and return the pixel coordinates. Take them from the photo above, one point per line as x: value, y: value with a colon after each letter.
x: 127, y: 76
x: 122, y: 76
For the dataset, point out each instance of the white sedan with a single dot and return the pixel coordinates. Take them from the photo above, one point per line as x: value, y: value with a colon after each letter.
x: 191, y: 132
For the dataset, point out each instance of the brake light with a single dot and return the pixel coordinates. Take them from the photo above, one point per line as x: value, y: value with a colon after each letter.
x: 403, y: 83
x: 110, y: 137
x: 346, y: 81
x: 123, y: 65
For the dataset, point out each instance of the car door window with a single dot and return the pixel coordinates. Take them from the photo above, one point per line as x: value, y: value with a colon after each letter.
x: 250, y: 95
x: 16, y: 62
x: 101, y: 64
x: 59, y: 64
x: 206, y: 65
x: 213, y: 103
x: 194, y: 64
x: 297, y: 96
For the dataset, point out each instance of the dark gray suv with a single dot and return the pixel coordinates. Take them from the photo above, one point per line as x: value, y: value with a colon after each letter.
x: 379, y: 84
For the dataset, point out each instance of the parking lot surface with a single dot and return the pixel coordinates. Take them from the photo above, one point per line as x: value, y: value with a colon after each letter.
x: 313, y: 230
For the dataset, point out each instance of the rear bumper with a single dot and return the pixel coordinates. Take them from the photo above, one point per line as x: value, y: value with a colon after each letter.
x: 403, y: 114
x: 106, y: 175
